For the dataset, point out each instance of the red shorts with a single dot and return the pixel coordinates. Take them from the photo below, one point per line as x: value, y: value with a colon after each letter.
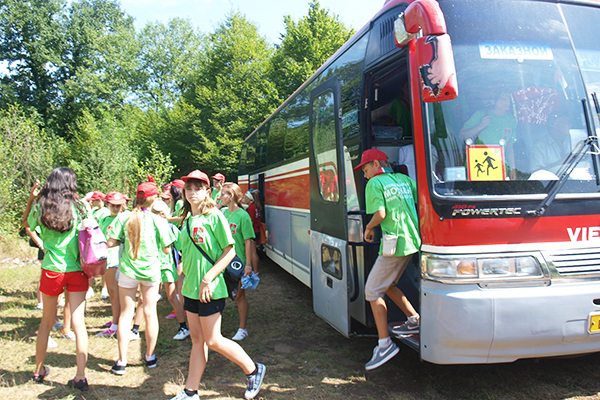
x: 54, y: 283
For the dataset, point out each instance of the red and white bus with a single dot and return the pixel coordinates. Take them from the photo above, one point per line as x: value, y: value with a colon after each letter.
x: 501, y: 139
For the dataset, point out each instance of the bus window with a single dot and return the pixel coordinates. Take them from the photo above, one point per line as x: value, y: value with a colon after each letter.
x: 331, y: 261
x: 261, y: 146
x: 390, y: 107
x: 324, y: 144
x: 296, y: 142
x: 519, y: 114
x: 277, y: 138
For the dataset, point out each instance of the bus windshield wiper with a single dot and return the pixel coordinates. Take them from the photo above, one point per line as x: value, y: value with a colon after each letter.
x: 569, y: 165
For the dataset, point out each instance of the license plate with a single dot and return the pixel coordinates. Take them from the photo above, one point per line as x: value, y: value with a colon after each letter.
x: 594, y: 323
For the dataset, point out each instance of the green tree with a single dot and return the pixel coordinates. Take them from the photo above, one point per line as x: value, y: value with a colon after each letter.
x: 232, y: 93
x: 27, y: 154
x: 31, y: 43
x: 305, y: 46
x: 100, y: 66
x: 102, y: 154
x: 170, y: 57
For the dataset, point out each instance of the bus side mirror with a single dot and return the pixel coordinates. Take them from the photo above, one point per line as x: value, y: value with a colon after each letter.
x: 436, y: 68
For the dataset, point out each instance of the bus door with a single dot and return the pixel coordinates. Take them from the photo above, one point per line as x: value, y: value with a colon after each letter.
x: 328, y: 215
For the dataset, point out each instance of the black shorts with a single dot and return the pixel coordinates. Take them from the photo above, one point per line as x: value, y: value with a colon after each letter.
x: 256, y: 236
x: 203, y: 309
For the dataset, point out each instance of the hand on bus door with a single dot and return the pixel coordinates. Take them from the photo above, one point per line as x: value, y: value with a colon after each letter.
x: 369, y: 235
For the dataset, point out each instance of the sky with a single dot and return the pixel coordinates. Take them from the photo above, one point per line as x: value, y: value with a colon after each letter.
x: 267, y: 14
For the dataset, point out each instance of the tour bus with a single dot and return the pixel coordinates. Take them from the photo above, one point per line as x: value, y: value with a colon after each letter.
x: 509, y: 216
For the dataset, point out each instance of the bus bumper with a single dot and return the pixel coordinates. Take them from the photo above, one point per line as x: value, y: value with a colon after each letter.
x: 469, y: 324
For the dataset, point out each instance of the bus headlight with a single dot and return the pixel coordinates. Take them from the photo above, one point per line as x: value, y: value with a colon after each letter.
x: 482, y: 268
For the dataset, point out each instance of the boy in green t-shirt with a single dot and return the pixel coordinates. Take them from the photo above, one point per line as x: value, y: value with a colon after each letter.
x: 391, y: 198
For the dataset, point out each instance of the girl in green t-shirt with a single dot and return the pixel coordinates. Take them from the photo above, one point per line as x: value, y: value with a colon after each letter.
x: 145, y: 235
x: 242, y: 231
x: 204, y: 288
x: 115, y: 202
x: 58, y: 214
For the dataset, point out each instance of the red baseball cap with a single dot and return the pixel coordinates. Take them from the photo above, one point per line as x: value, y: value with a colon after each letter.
x: 197, y: 174
x: 116, y: 198
x: 166, y: 194
x: 147, y: 189
x: 219, y: 176
x: 371, y: 155
x: 178, y: 183
x: 97, y: 195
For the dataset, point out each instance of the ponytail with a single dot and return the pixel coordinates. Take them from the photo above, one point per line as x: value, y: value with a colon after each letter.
x: 134, y: 225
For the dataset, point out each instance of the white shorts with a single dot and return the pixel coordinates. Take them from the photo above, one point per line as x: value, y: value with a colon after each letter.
x: 129, y: 283
x: 385, y: 273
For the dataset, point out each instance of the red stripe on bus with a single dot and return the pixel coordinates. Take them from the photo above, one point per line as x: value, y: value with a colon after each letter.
x: 289, y: 192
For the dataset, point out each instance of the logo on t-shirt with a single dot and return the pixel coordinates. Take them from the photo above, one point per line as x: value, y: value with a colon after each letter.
x: 233, y: 228
x: 199, y: 233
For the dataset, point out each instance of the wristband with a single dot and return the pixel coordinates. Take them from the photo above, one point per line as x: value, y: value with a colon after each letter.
x: 247, y: 266
x: 203, y: 281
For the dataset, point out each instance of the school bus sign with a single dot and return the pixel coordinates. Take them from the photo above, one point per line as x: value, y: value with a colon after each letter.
x: 486, y: 163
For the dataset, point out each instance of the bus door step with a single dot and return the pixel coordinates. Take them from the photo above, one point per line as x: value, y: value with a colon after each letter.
x: 411, y: 341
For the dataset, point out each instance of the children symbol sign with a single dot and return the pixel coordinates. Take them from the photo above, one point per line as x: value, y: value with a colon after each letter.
x: 486, y: 163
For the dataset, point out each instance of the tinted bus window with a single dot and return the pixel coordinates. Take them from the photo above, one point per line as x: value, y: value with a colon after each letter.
x: 276, y: 140
x: 251, y: 154
x: 324, y: 146
x: 261, y: 146
x: 243, y: 168
x: 296, y: 137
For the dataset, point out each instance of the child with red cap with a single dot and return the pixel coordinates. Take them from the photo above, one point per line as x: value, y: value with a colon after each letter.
x: 204, y: 287
x: 144, y: 235
x: 115, y: 201
x: 392, y: 199
x: 218, y: 181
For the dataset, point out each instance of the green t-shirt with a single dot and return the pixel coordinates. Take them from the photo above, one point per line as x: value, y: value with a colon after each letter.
x: 166, y: 260
x: 241, y: 228
x: 500, y: 127
x: 100, y: 213
x: 396, y: 194
x: 210, y: 232
x: 155, y: 234
x: 178, y: 207
x: 216, y: 196
x: 106, y: 225
x: 62, y: 249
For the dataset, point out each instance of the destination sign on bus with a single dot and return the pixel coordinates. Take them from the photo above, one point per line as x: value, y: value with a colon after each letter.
x: 515, y: 51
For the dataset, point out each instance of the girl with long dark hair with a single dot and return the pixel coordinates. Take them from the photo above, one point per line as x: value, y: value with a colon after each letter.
x: 58, y: 213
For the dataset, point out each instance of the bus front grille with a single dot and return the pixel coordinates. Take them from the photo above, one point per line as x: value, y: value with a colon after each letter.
x: 576, y: 262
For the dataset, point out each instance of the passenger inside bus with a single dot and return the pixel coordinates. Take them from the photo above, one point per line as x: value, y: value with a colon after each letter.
x: 494, y: 126
x: 552, y: 150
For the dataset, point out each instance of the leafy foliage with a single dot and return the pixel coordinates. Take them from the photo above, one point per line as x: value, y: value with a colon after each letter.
x: 305, y: 46
x: 81, y: 88
x: 28, y: 153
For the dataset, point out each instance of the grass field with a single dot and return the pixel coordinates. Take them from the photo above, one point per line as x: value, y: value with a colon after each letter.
x: 305, y: 358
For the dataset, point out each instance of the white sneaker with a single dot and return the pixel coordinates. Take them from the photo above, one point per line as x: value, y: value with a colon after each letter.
x: 240, y: 335
x: 182, y: 334
x: 104, y: 294
x: 160, y: 297
x: 134, y: 335
x: 40, y: 306
x: 183, y: 396
x: 51, y: 343
x: 89, y: 294
x: 61, y: 303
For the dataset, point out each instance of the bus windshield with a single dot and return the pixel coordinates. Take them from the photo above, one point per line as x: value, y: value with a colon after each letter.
x: 523, y: 69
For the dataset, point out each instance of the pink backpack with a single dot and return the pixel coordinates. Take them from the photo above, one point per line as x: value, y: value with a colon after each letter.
x: 93, y: 250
